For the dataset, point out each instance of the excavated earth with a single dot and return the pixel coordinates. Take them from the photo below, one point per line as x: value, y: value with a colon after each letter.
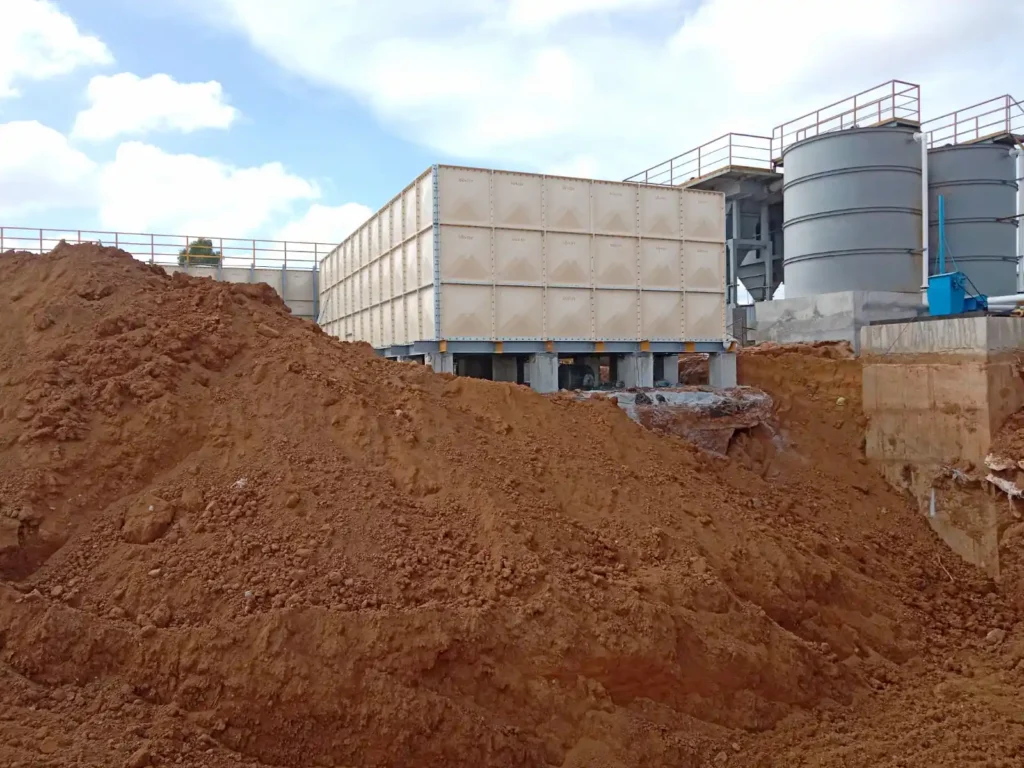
x: 227, y: 539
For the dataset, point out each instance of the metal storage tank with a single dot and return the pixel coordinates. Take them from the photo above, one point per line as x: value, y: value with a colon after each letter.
x: 852, y: 207
x: 474, y: 255
x: 978, y: 186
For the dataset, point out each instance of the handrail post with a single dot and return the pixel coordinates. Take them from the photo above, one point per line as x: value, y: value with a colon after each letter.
x: 40, y: 242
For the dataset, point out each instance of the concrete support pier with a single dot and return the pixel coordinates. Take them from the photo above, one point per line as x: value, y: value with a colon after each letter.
x: 504, y: 368
x: 722, y: 370
x: 441, y: 362
x: 542, y: 372
x: 637, y: 370
x: 670, y: 369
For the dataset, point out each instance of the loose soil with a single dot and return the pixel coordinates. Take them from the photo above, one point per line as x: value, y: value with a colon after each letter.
x: 227, y: 539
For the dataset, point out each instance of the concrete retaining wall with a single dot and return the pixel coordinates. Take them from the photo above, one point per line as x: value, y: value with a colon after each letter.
x: 830, y: 316
x: 936, y: 392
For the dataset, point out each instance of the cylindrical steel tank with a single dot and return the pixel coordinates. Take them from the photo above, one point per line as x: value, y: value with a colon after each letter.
x: 852, y: 205
x: 978, y: 186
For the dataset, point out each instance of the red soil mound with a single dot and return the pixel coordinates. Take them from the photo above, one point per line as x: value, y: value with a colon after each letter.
x: 227, y: 537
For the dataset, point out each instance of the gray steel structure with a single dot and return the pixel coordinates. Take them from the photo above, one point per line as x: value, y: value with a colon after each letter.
x: 978, y: 185
x: 852, y: 211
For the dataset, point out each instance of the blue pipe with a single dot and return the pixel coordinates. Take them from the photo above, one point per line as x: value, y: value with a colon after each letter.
x: 942, y: 235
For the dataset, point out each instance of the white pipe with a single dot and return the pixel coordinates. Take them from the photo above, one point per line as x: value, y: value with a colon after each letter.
x: 925, y: 256
x: 1019, y: 151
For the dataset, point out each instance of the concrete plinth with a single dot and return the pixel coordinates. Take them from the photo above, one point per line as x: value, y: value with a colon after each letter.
x: 670, y: 371
x: 637, y: 370
x: 936, y: 392
x: 722, y: 370
x: 441, y: 362
x: 504, y: 368
x: 830, y: 316
x: 542, y: 372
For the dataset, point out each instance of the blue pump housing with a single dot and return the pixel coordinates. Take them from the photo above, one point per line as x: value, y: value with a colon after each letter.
x: 947, y: 295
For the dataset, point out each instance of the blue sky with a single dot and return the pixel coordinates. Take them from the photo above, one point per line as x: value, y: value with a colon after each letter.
x: 297, y: 118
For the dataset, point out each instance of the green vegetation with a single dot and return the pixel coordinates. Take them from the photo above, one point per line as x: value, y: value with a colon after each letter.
x: 200, y: 253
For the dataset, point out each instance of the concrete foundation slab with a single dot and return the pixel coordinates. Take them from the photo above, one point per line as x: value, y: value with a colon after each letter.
x: 637, y: 370
x: 830, y: 316
x: 936, y: 391
x: 542, y: 372
x: 722, y: 370
x: 504, y: 368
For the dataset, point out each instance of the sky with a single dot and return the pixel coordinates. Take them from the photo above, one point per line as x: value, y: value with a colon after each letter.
x: 295, y: 120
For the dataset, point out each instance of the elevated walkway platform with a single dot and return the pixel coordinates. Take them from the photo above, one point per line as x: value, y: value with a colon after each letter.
x: 996, y: 121
x: 895, y: 103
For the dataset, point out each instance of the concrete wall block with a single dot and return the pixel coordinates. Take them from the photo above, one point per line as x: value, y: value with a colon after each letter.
x: 504, y: 368
x: 1005, y: 389
x: 637, y: 370
x: 722, y: 370
x: 298, y: 287
x: 927, y: 437
x: 440, y: 362
x: 671, y: 369
x: 935, y: 386
x: 542, y: 372
x: 830, y: 316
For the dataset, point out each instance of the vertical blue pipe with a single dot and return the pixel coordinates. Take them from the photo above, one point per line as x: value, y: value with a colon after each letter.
x: 942, y: 235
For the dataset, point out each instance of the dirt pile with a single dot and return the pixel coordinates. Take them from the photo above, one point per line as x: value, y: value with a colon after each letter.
x: 229, y: 538
x: 954, y: 704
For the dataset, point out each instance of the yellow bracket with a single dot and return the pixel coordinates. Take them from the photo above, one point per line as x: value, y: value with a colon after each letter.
x: 599, y: 346
x: 690, y: 347
x: 645, y: 346
x: 442, y: 346
x: 499, y: 347
x: 549, y: 346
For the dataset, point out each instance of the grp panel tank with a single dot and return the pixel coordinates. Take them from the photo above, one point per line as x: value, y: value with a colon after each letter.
x: 978, y: 186
x: 852, y: 207
x: 469, y: 254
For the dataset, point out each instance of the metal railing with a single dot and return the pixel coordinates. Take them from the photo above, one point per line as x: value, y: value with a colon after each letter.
x: 733, y: 150
x: 995, y: 118
x: 166, y: 250
x: 894, y: 101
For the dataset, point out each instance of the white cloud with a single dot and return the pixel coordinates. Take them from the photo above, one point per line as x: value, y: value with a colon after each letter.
x: 126, y: 104
x: 541, y: 14
x: 40, y: 171
x: 38, y: 41
x: 628, y: 83
x: 325, y: 223
x: 145, y: 189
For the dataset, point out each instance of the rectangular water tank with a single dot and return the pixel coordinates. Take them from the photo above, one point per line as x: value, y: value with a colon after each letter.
x: 469, y: 254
